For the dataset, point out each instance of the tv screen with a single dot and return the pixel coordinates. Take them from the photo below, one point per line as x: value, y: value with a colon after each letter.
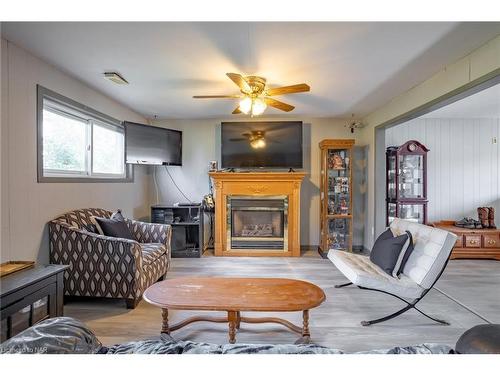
x: 146, y: 144
x: 275, y: 144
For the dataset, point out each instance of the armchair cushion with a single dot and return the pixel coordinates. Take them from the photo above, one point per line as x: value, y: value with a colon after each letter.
x: 362, y: 272
x: 432, y: 247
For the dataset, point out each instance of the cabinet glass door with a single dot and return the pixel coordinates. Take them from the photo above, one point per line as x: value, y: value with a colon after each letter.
x: 391, y: 212
x: 339, y: 189
x: 338, y: 236
x: 391, y: 177
x: 411, y: 176
x: 412, y: 212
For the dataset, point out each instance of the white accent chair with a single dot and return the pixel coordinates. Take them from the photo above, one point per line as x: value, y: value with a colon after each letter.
x: 432, y: 250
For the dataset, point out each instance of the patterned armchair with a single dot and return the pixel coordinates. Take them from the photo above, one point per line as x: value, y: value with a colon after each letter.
x: 101, y: 266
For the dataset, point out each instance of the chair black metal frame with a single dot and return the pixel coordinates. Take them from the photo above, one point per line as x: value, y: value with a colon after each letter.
x: 409, y: 305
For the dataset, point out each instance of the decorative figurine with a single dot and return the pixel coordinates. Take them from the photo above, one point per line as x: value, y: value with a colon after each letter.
x: 331, y: 207
x: 338, y: 163
x: 346, y: 161
x: 334, y: 241
x: 344, y: 207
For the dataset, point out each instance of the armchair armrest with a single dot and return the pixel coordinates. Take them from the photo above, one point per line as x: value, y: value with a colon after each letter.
x: 151, y: 232
x: 99, y: 265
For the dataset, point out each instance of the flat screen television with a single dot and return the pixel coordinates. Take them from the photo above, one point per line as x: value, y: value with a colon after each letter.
x: 270, y: 144
x: 152, y: 145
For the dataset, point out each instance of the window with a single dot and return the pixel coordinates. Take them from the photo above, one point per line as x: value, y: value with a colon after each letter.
x: 78, y: 144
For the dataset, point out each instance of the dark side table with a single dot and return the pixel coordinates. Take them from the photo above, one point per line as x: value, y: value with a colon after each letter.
x: 29, y: 296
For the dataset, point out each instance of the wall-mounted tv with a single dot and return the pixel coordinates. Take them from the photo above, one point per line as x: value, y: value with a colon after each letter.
x: 269, y: 144
x: 145, y: 144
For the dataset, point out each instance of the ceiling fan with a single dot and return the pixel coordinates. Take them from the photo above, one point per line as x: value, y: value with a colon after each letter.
x: 255, y: 97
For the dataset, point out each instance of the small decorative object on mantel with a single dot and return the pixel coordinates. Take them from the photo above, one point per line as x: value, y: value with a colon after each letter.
x: 10, y: 267
x: 213, y: 165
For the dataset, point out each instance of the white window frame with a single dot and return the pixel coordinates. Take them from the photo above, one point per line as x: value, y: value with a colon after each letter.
x: 53, y: 102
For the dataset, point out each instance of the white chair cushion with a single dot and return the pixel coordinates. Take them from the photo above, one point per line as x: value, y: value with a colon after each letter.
x: 362, y: 272
x: 432, y: 248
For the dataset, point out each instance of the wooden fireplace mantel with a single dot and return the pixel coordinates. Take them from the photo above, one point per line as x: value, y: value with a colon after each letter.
x: 257, y: 184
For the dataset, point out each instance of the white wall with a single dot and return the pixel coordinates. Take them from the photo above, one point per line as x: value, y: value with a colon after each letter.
x: 477, y: 64
x: 201, y: 143
x: 27, y: 205
x: 463, y: 163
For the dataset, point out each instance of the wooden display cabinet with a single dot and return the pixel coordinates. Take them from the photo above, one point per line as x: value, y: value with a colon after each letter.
x: 336, y: 195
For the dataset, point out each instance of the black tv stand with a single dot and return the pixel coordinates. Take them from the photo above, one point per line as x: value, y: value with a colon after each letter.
x: 187, y: 228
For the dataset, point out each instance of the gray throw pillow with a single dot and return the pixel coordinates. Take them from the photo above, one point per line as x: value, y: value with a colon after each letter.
x: 386, y: 250
x: 403, y: 256
x: 115, y: 226
x: 117, y: 215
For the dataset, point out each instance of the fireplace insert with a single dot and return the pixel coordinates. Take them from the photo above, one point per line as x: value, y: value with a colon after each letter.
x: 257, y: 222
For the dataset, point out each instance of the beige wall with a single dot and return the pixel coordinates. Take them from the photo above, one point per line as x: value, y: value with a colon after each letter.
x: 480, y: 62
x: 201, y: 143
x: 26, y: 204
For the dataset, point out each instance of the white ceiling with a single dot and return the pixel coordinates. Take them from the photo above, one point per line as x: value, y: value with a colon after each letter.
x: 484, y: 104
x: 351, y: 67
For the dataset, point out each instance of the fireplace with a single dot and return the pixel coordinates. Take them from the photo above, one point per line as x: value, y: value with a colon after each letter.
x: 257, y: 213
x: 257, y: 222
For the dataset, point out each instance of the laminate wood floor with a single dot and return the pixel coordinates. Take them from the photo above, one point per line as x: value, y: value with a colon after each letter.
x: 467, y: 294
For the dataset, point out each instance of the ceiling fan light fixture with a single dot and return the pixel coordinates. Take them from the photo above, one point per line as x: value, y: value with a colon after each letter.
x: 258, y: 107
x: 246, y: 105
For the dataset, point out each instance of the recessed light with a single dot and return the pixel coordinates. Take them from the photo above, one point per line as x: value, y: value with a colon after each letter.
x: 116, y: 78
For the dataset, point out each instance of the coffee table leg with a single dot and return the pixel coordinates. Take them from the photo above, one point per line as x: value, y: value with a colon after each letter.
x: 305, y: 324
x: 232, y: 318
x: 238, y: 319
x: 164, y: 326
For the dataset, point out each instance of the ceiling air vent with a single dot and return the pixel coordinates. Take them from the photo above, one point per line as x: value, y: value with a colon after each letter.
x: 116, y: 78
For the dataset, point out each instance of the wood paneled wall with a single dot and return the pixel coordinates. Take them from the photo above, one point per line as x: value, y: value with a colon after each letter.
x: 463, y: 163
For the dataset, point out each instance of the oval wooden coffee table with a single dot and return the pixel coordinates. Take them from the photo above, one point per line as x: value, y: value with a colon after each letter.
x: 235, y: 295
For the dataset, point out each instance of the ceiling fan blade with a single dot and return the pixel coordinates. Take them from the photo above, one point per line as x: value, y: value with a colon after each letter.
x: 280, y: 105
x: 240, y: 82
x: 217, y: 96
x: 301, y: 87
x: 238, y: 139
x: 236, y: 111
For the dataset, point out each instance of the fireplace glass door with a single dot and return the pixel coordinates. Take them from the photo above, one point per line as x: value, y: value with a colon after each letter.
x: 257, y: 223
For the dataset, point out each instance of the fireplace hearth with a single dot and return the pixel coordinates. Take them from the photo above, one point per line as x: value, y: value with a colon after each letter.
x: 257, y: 223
